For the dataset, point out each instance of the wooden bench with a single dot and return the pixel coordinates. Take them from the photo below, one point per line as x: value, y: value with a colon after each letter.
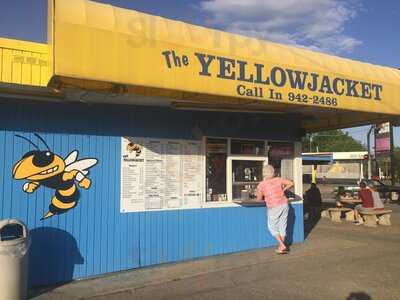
x: 378, y: 216
x: 335, y: 214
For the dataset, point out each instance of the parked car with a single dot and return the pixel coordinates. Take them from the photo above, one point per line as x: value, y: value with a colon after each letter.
x: 385, y: 190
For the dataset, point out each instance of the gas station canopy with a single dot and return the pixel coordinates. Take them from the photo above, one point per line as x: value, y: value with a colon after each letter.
x: 316, y: 158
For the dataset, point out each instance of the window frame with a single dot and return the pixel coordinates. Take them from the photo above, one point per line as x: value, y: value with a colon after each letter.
x: 297, y: 169
x: 229, y: 174
x: 230, y: 157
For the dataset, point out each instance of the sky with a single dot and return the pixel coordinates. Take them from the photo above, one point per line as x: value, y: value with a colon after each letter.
x: 365, y: 30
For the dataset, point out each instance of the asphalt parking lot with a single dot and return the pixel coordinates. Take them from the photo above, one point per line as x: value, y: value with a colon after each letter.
x: 336, y: 261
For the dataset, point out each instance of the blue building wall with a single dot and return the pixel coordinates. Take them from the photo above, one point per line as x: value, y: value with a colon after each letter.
x: 95, y: 238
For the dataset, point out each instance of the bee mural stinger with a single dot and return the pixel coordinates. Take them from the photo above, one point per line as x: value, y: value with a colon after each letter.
x: 44, y: 168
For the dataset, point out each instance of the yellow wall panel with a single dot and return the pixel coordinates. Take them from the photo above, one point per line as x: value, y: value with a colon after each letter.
x: 35, y: 70
x: 44, y: 73
x: 16, y: 68
x: 6, y: 71
x: 24, y: 63
x: 1, y: 62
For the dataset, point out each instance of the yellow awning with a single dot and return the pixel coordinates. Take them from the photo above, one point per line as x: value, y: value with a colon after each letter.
x: 101, y: 47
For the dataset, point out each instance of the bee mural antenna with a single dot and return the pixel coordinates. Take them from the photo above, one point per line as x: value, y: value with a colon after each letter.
x: 28, y: 140
x: 40, y: 138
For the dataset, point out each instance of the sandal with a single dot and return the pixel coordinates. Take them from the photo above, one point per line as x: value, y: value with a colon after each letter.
x: 277, y: 251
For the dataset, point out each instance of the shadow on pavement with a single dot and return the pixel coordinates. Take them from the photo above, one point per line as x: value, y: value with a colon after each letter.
x: 290, y: 225
x: 312, y: 215
x: 359, y: 296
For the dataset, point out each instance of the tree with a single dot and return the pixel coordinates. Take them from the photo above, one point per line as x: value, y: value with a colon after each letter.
x: 331, y: 141
x: 396, y: 154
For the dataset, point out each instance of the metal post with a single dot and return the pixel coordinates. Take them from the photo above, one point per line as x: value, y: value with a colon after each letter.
x: 361, y: 171
x: 314, y: 174
x: 369, y: 151
x: 392, y: 158
x: 377, y: 167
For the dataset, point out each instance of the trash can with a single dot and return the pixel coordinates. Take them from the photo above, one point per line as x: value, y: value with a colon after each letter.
x: 14, y: 246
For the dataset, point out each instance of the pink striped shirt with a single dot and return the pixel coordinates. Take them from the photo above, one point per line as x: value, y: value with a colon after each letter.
x: 272, y: 192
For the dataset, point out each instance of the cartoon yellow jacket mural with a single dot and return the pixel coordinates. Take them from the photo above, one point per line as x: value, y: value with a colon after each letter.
x: 50, y: 170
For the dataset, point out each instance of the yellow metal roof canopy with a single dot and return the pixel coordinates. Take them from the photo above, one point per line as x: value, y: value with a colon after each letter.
x: 97, y: 46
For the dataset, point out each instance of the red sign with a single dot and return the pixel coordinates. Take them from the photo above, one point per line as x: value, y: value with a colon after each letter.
x: 281, y: 150
x: 382, y: 144
x: 382, y: 139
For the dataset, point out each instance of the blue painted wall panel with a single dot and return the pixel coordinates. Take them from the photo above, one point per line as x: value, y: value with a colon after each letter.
x: 186, y: 234
x: 95, y: 238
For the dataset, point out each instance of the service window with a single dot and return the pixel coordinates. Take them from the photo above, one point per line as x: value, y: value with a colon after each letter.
x: 280, y: 156
x: 246, y: 175
x: 234, y: 166
x: 216, y: 156
x: 245, y: 164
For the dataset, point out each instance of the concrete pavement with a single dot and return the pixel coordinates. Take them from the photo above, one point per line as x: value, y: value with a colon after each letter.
x: 337, y: 261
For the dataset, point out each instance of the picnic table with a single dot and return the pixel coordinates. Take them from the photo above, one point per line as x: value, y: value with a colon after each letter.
x: 343, y: 205
x: 377, y: 216
x: 350, y: 201
x: 335, y: 213
x: 370, y: 218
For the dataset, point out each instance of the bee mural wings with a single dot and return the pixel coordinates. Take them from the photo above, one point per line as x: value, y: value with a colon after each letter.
x: 71, y: 157
x: 82, y: 165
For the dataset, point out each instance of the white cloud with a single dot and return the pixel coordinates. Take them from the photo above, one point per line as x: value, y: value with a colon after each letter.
x: 313, y: 24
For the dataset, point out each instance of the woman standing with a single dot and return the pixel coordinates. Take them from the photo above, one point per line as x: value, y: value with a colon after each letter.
x: 271, y: 190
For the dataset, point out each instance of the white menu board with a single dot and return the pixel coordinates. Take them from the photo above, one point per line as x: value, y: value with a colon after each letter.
x: 173, y: 174
x: 132, y: 176
x: 161, y: 174
x: 193, y: 186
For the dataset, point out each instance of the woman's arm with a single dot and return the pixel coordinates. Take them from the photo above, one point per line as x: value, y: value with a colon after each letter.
x: 259, y: 194
x: 287, y: 184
